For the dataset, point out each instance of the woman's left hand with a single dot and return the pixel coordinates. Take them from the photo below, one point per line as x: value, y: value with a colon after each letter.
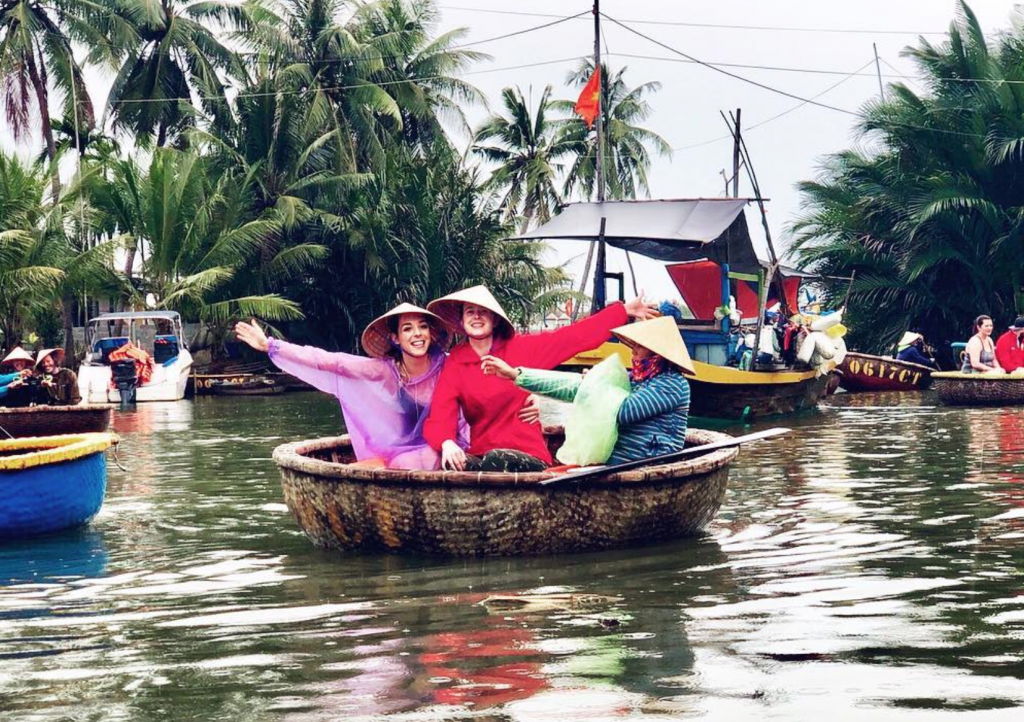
x: 641, y: 309
x: 530, y: 413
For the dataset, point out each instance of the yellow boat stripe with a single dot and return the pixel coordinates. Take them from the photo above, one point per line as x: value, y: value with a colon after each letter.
x: 41, y: 450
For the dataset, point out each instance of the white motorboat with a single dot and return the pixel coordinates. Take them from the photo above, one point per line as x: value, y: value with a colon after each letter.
x: 159, y: 333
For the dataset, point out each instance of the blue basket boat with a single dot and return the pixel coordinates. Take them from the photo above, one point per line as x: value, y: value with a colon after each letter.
x: 49, y: 483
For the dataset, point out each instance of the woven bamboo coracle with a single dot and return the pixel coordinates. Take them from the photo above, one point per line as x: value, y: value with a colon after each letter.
x: 456, y: 513
x: 55, y: 420
x: 960, y: 389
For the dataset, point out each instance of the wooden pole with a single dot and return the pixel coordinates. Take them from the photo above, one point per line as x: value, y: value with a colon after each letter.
x: 600, y: 267
x: 736, y: 157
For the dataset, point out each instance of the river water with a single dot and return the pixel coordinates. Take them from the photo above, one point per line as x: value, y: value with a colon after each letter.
x: 867, y: 566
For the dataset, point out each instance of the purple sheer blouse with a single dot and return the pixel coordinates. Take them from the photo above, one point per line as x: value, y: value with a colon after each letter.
x: 383, y: 415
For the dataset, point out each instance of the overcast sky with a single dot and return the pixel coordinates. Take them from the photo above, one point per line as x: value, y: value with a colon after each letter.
x: 686, y: 109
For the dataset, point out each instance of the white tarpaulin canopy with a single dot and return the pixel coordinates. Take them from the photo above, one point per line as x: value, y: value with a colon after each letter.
x: 669, y: 230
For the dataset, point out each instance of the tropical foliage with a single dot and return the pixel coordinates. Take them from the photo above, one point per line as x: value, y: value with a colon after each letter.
x: 293, y: 160
x: 931, y: 217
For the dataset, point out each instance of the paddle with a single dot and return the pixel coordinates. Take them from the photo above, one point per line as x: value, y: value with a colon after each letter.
x: 591, y: 472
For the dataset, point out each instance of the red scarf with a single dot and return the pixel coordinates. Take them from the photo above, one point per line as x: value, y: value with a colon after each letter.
x: 647, y: 368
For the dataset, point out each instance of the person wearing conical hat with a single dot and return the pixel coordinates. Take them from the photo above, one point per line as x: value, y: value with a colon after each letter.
x: 911, y: 349
x: 385, y: 396
x: 58, y: 385
x: 1010, y: 347
x: 499, y: 440
x: 651, y: 419
x: 19, y: 363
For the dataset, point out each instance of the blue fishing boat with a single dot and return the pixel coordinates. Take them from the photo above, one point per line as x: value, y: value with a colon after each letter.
x: 49, y: 483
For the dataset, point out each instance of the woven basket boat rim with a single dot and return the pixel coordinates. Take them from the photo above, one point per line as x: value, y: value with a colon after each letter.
x: 960, y: 376
x: 43, y: 450
x: 290, y: 456
x: 42, y: 409
x: 893, y: 361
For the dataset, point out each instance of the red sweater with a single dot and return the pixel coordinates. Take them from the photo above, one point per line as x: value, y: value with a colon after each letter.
x: 492, y: 404
x: 1009, y: 352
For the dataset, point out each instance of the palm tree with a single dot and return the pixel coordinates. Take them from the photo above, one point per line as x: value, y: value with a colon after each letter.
x: 168, y: 54
x: 932, y: 221
x: 628, y: 146
x: 527, y: 151
x: 420, y: 71
x: 35, y: 58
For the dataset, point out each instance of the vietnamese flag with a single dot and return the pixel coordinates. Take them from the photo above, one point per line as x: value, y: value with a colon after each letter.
x: 589, y: 104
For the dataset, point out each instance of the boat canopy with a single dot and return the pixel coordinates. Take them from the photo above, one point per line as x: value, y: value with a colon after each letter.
x: 713, y: 229
x: 129, y: 315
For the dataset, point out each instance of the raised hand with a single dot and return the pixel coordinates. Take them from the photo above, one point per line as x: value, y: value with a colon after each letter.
x: 494, y: 366
x: 252, y: 335
x: 641, y: 309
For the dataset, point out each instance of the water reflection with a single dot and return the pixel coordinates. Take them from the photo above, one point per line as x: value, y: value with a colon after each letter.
x: 867, y: 565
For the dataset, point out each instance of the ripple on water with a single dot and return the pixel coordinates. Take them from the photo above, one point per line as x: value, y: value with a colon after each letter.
x: 866, y: 566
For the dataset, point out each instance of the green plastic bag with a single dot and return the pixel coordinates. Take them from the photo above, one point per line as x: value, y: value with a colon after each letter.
x: 592, y: 427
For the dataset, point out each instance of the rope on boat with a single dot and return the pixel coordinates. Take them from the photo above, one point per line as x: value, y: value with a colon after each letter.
x: 117, y: 462
x: 9, y: 434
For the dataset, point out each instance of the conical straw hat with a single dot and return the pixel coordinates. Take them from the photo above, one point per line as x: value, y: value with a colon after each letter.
x: 377, y: 336
x: 908, y: 338
x: 57, y: 352
x: 449, y: 308
x: 660, y: 335
x: 17, y: 354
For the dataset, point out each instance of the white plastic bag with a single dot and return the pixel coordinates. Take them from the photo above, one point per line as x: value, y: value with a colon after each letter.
x: 824, y: 323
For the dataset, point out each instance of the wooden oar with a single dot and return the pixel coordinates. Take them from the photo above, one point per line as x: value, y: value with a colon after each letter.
x: 591, y: 472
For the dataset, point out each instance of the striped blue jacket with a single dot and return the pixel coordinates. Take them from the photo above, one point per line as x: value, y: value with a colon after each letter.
x: 653, y: 419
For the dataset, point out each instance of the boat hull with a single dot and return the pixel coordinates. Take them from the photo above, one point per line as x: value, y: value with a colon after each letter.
x: 51, y: 483
x: 252, y: 387
x: 340, y: 506
x: 726, y: 392
x: 168, y: 382
x: 863, y: 372
x: 958, y: 389
x: 51, y: 420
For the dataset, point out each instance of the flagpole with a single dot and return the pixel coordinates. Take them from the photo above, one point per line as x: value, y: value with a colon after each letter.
x: 599, y: 270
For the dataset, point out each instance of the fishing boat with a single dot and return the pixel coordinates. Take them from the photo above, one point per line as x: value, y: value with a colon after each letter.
x: 204, y: 378
x: 54, y: 420
x: 714, y: 264
x: 51, y: 483
x: 250, y: 386
x: 159, y: 334
x: 343, y: 504
x: 863, y: 372
x: 960, y: 389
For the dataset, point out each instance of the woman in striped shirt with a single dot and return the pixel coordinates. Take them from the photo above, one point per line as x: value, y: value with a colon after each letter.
x: 652, y: 419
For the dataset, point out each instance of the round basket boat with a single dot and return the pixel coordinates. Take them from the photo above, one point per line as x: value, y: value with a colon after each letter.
x: 51, y: 483
x: 342, y: 505
x: 960, y: 389
x: 54, y: 420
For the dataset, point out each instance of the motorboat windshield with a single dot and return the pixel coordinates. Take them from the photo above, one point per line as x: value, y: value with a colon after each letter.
x: 158, y: 333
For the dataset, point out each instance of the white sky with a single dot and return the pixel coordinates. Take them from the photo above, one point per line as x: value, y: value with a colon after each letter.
x: 686, y: 108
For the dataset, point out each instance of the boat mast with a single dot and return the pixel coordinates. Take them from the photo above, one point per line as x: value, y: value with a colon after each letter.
x: 600, y: 268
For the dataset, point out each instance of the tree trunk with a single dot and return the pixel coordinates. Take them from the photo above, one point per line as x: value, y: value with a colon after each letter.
x: 42, y: 100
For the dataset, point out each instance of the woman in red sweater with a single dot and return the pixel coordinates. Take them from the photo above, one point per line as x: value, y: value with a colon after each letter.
x: 489, y: 402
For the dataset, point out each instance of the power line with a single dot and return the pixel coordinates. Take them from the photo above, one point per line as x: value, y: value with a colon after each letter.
x: 746, y: 66
x: 726, y: 72
x: 829, y: 89
x: 350, y: 87
x: 716, y: 26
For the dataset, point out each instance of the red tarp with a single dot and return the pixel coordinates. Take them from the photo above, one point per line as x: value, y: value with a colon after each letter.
x: 700, y: 283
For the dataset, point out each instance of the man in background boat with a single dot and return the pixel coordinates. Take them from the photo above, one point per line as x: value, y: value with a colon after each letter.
x: 911, y: 349
x: 1010, y: 347
x: 14, y: 369
x: 58, y: 386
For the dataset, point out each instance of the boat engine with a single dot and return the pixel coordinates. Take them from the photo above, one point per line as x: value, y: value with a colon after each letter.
x: 123, y: 376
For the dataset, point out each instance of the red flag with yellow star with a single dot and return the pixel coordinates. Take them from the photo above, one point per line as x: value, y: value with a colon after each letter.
x: 589, y: 103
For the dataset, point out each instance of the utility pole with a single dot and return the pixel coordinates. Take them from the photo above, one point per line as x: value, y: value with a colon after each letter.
x: 878, y: 71
x: 600, y: 269
x: 736, y: 156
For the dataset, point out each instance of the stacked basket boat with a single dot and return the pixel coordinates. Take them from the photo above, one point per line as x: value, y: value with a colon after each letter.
x: 54, y: 420
x: 345, y: 505
x: 960, y: 389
